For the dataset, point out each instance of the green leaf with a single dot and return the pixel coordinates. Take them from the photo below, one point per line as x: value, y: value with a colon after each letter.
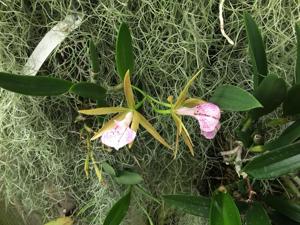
x: 257, y: 215
x: 124, y: 51
x: 297, y: 27
x: 129, y: 178
x: 257, y: 50
x: 61, y: 221
x: 108, y: 169
x: 279, y: 219
x: 270, y: 93
x: 35, y: 86
x: 223, y: 210
x: 232, y: 98
x: 118, y: 211
x: 289, y: 208
x: 10, y: 215
x: 89, y: 90
x: 195, y: 205
x: 290, y: 134
x: 93, y: 56
x: 291, y: 102
x: 275, y: 163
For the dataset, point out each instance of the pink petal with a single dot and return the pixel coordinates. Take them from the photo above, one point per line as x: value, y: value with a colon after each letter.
x: 208, y: 109
x: 118, y: 137
x: 207, y: 124
x: 185, y: 111
x: 211, y: 134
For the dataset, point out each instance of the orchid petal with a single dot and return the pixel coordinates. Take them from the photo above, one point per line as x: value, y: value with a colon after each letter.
x: 108, y: 125
x: 120, y: 135
x: 208, y: 109
x: 128, y: 91
x: 211, y: 134
x: 207, y: 124
x: 103, y: 111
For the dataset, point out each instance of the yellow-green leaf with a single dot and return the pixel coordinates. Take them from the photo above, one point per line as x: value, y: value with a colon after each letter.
x: 61, y: 221
x: 187, y: 140
x: 108, y: 125
x: 144, y: 122
x: 103, y: 111
x: 128, y: 91
x: 192, y: 102
x: 135, y: 124
x: 184, y: 92
x: 178, y: 132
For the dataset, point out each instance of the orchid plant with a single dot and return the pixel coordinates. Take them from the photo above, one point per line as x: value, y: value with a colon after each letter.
x: 122, y: 129
x: 275, y: 159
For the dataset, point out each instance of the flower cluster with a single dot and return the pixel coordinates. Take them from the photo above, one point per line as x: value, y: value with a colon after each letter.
x: 122, y: 129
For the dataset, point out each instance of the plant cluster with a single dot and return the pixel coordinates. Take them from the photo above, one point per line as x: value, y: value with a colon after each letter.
x: 253, y: 158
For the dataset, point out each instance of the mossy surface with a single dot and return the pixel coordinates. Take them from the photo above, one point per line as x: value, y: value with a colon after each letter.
x: 41, y: 152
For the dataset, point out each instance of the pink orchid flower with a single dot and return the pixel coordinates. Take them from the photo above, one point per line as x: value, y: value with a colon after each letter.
x: 121, y: 134
x: 208, y: 116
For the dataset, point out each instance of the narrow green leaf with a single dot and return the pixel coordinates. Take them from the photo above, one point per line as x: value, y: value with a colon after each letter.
x: 118, y: 211
x: 291, y: 102
x: 257, y: 215
x: 61, y: 221
x: 128, y: 178
x: 195, y: 205
x: 108, y: 169
x: 297, y: 27
x: 279, y: 219
x: 257, y: 50
x: 93, y: 56
x: 290, y: 134
x: 232, y: 98
x: 289, y: 208
x: 9, y: 215
x: 275, y: 163
x: 223, y: 210
x: 124, y: 51
x: 270, y: 93
x: 35, y: 86
x: 89, y: 90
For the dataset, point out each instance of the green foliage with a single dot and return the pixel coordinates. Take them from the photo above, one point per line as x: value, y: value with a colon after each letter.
x: 48, y: 86
x: 195, y: 205
x: 297, y: 28
x: 223, y: 210
x: 128, y: 178
x: 124, y: 51
x: 257, y: 50
x: 232, y: 98
x: 257, y: 215
x: 93, y: 56
x: 270, y: 93
x: 9, y: 215
x: 289, y: 208
x: 118, y: 211
x: 108, y: 169
x: 36, y: 86
x: 288, y: 136
x: 291, y: 103
x: 89, y: 90
x: 275, y: 163
x: 61, y: 221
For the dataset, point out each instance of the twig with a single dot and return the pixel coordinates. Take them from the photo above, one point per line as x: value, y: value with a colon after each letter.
x: 222, y: 23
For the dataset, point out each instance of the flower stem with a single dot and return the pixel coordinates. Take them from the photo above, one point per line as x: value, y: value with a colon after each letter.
x: 151, y: 98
